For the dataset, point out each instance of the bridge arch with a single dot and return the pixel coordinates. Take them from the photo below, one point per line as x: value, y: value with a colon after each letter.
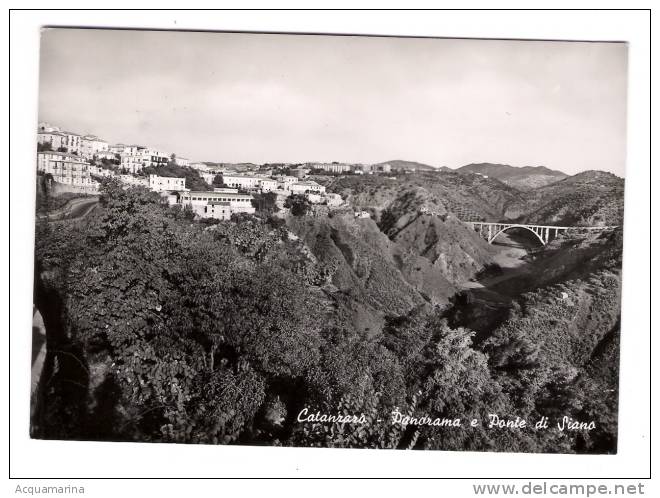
x: 517, y: 226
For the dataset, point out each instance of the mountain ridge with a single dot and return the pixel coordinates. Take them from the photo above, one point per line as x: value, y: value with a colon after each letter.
x: 520, y: 177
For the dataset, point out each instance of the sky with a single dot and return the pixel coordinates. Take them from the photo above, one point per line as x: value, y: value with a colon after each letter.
x: 230, y: 97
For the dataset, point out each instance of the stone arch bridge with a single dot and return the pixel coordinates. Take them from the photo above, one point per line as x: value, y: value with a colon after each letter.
x: 544, y: 233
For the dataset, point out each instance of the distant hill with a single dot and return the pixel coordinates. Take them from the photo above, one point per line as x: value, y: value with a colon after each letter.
x: 408, y: 165
x: 590, y: 198
x: 523, y: 178
x: 467, y: 197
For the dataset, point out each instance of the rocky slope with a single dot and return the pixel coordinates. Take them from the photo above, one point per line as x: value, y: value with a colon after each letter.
x: 590, y: 198
x: 371, y: 276
x: 522, y: 178
x: 468, y: 197
x: 422, y: 226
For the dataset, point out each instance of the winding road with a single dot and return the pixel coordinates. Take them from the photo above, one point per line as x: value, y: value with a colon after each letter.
x: 74, y: 209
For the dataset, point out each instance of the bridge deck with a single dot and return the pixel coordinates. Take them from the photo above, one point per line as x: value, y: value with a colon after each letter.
x: 487, y: 223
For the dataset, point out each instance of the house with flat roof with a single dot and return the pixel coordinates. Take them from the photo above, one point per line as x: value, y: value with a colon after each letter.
x: 306, y: 187
x: 199, y: 200
x: 245, y: 182
x: 92, y: 145
x: 218, y: 210
x: 166, y: 183
x: 65, y: 168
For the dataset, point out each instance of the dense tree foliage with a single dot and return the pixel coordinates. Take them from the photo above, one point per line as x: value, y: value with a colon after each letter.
x: 299, y: 205
x: 165, y: 329
x: 193, y: 179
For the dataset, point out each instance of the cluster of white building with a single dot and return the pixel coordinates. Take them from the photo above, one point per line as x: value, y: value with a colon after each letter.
x: 282, y: 186
x: 73, y: 170
x: 359, y: 169
x: 236, y: 196
x: 68, y: 161
x: 66, y: 168
x: 219, y: 204
x: 82, y: 145
x: 132, y: 158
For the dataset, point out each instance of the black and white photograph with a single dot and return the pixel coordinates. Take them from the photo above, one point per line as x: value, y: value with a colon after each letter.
x: 308, y: 240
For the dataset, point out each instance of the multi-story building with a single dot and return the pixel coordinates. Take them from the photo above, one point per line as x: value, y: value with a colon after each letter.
x: 219, y: 210
x: 72, y: 142
x: 132, y: 163
x: 136, y: 157
x: 92, y: 145
x: 154, y: 157
x: 306, y: 187
x: 182, y: 161
x: 244, y: 182
x: 284, y: 182
x: 65, y: 168
x: 198, y: 201
x: 164, y: 183
x: 54, y: 138
x: 267, y: 184
x: 331, y: 167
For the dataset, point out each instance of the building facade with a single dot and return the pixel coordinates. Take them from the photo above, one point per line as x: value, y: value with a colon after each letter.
x: 65, y: 168
x: 331, y: 167
x: 307, y: 186
x: 198, y: 201
x: 136, y: 157
x: 218, y: 210
x: 244, y: 182
x: 267, y: 185
x: 92, y: 145
x: 164, y: 183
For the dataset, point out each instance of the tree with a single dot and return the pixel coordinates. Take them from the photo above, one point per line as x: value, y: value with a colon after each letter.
x: 44, y: 146
x: 298, y: 204
x: 266, y: 203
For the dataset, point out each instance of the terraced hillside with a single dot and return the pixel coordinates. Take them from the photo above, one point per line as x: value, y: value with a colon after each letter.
x: 522, y: 178
x: 467, y: 197
x: 591, y: 198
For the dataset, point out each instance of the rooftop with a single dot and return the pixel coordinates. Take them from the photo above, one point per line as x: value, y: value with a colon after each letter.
x: 62, y: 154
x: 219, y: 194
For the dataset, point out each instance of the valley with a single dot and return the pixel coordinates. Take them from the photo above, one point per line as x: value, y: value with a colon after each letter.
x: 389, y: 294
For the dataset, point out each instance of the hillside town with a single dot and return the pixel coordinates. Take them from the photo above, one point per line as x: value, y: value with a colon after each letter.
x: 77, y: 163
